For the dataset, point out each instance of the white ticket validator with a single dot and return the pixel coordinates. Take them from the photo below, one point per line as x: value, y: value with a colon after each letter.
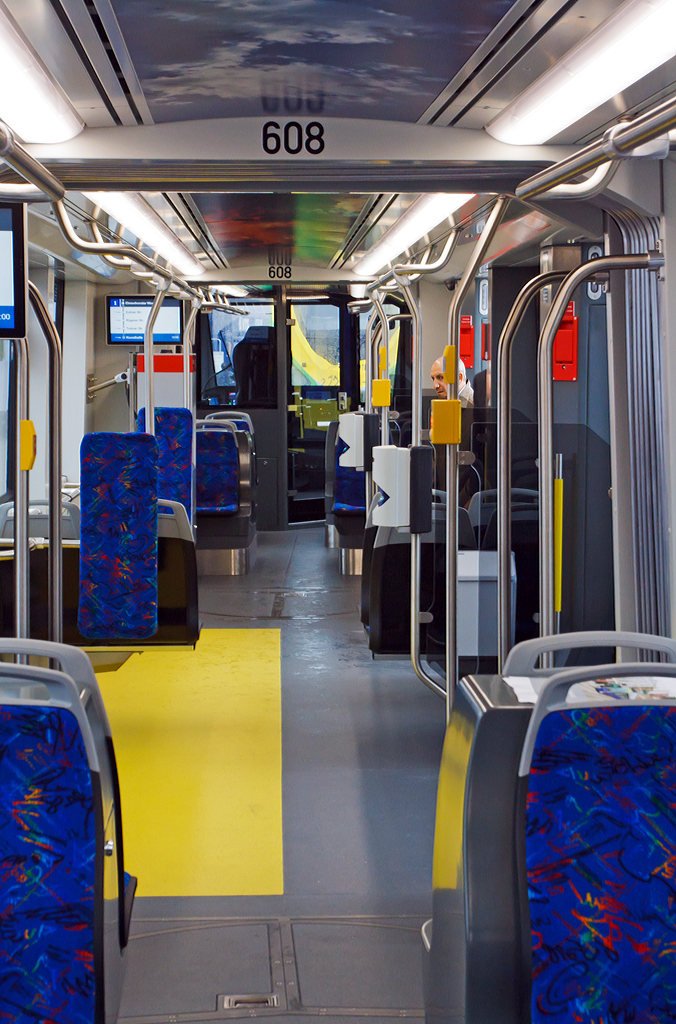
x: 351, y: 433
x: 391, y: 475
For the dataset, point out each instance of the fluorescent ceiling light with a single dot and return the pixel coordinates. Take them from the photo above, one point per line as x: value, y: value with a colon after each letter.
x: 421, y: 217
x: 235, y: 290
x: 632, y: 42
x: 31, y: 102
x: 135, y: 213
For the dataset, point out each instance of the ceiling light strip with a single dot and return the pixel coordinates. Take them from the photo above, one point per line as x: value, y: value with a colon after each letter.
x: 635, y: 40
x: 425, y: 214
x: 136, y: 214
x: 31, y: 101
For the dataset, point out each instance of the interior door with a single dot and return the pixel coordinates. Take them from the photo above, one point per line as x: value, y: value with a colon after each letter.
x: 313, y: 391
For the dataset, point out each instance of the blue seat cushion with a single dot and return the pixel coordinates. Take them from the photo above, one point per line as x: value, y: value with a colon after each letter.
x: 349, y: 491
x: 173, y: 433
x: 217, y: 472
x: 601, y: 862
x: 118, y: 536
x: 47, y: 869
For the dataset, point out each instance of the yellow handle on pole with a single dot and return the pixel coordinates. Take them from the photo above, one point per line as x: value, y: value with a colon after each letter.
x: 382, y: 363
x: 449, y: 362
x: 28, y: 445
x: 558, y: 542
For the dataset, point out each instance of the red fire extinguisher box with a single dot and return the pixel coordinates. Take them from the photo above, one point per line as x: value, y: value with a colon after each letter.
x: 467, y: 341
x: 565, y: 347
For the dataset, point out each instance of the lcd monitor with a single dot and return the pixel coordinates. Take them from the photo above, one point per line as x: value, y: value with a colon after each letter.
x: 13, y: 283
x: 127, y: 316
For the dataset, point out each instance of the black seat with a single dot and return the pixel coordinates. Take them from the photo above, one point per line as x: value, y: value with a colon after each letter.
x: 254, y: 363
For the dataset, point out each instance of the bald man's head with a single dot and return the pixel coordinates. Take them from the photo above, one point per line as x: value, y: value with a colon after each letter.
x: 437, y: 375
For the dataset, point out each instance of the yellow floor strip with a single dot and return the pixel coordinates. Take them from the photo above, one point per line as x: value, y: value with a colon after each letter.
x: 198, y: 739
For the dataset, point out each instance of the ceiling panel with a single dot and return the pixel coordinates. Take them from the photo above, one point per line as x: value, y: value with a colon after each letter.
x: 383, y: 59
x: 308, y: 228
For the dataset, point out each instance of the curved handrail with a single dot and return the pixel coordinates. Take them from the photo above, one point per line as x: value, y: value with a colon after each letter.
x: 645, y: 261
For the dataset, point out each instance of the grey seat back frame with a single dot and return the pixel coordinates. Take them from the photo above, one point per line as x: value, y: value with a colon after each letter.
x: 232, y: 417
x: 73, y: 661
x: 522, y: 659
x: 38, y: 515
x: 174, y: 523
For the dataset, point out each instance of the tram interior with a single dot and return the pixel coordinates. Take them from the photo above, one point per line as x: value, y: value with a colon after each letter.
x: 336, y: 548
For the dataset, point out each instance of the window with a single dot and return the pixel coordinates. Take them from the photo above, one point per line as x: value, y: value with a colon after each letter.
x: 315, y: 345
x: 240, y: 365
x: 393, y: 350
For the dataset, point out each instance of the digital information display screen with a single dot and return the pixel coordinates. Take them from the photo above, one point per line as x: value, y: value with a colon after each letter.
x: 7, y: 311
x: 12, y: 262
x: 127, y: 318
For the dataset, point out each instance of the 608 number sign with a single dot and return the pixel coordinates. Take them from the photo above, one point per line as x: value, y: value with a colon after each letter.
x: 293, y: 138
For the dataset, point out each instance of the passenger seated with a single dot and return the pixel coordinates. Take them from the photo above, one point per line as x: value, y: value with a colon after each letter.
x: 465, y: 392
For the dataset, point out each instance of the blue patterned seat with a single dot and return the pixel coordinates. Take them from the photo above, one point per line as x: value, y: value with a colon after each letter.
x: 173, y: 433
x: 217, y: 472
x: 118, y: 536
x: 49, y: 961
x: 349, y: 493
x: 601, y: 863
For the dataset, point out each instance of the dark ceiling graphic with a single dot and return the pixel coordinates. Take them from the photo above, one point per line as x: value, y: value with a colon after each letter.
x: 303, y: 227
x: 340, y: 58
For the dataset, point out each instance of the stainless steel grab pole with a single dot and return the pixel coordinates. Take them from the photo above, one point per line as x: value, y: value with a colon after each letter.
x: 21, y: 548
x: 641, y: 261
x: 382, y: 340
x: 404, y: 283
x: 476, y: 259
x: 504, y: 382
x: 55, y: 423
x: 368, y: 374
x: 148, y: 356
x: 416, y: 541
x: 188, y: 335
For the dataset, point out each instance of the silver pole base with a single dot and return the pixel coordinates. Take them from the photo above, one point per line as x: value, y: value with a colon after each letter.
x: 223, y: 562
x: 330, y: 536
x: 350, y: 561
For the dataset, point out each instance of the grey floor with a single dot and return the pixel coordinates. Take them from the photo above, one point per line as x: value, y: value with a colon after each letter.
x: 361, y: 747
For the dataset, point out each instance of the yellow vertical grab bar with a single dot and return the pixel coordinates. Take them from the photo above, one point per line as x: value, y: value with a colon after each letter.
x: 558, y: 531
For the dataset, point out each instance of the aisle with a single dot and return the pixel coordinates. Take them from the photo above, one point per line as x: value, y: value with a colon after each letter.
x: 361, y: 742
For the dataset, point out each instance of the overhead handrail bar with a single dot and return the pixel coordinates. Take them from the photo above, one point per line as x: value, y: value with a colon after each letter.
x: 641, y: 261
x: 54, y: 400
x: 617, y: 143
x: 27, y: 166
x: 504, y: 379
x: 476, y: 259
x: 439, y: 264
x: 587, y: 189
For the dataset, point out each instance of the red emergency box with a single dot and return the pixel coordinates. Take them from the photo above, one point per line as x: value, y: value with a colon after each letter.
x: 467, y: 341
x: 565, y: 347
